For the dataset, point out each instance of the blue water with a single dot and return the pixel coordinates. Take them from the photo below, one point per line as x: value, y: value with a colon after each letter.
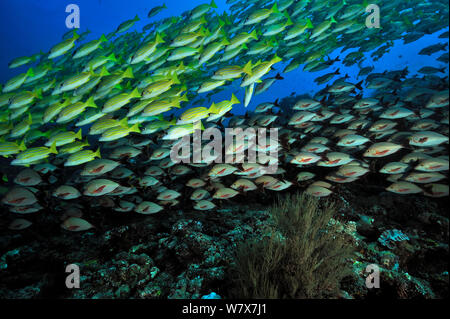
x: 29, y: 26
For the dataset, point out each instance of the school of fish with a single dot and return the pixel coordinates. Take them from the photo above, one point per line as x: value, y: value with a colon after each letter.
x: 94, y: 123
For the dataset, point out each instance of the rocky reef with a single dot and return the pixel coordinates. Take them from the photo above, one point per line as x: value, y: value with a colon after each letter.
x: 188, y: 254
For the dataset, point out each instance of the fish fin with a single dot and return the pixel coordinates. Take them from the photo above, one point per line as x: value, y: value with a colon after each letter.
x: 53, y: 148
x: 104, y: 72
x: 207, y: 32
x: 289, y: 21
x: 111, y: 57
x: 30, y: 72
x: 75, y: 36
x: 248, y: 68
x: 91, y: 103
x: 181, y: 67
x: 175, y: 79
x: 103, y: 38
x: 275, y: 59
x: 213, y: 109
x: 234, y: 99
x: 225, y: 41
x: 135, y: 93
x: 358, y: 85
x: 123, y: 122
x: 22, y: 146
x: 274, y: 8
x: 184, y: 98
x: 97, y: 153
x: 135, y: 128
x: 128, y: 73
x: 38, y: 93
x: 201, y: 32
x: 79, y: 135
x: 159, y: 38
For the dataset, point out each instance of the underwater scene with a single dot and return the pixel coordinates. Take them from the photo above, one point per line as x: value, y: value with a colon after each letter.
x: 254, y: 149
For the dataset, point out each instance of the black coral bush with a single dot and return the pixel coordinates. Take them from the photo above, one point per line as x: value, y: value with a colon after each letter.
x: 303, y: 256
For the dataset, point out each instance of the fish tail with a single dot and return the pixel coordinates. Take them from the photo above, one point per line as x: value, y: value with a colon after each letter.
x: 37, y: 93
x: 234, y: 99
x: 90, y: 102
x: 175, y: 79
x: 123, y: 122
x: 289, y: 21
x: 358, y: 85
x: 128, y: 73
x: 184, y: 98
x: 79, y: 136
x: 248, y: 68
x: 274, y: 8
x: 104, y: 72
x: 159, y: 38
x: 135, y: 128
x: 254, y: 35
x: 111, y: 57
x: 135, y: 93
x: 275, y: 59
x: 76, y: 36
x: 22, y: 146
x: 53, y: 148
x: 30, y: 72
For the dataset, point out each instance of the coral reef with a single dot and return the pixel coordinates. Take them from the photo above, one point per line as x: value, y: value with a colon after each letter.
x: 185, y: 254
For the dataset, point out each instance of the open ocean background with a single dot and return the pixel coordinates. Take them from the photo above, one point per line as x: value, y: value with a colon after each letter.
x: 29, y: 26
